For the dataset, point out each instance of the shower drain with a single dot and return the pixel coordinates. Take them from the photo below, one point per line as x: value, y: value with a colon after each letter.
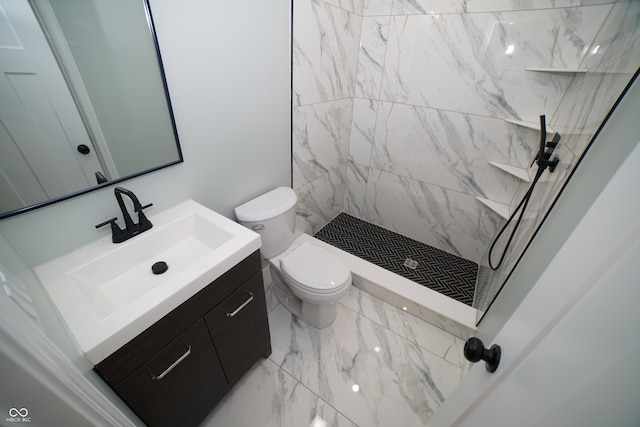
x: 410, y: 263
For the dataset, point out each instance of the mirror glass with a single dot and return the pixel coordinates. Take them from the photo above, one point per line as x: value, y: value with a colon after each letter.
x: 83, y: 99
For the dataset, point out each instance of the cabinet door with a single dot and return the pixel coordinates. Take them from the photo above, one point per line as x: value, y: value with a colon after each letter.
x: 240, y: 329
x: 180, y: 384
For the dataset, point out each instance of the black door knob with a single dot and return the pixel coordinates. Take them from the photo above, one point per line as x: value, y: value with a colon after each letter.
x: 83, y: 149
x: 474, y: 351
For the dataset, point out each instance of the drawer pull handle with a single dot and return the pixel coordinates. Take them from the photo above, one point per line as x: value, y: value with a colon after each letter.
x: 173, y: 365
x: 244, y: 304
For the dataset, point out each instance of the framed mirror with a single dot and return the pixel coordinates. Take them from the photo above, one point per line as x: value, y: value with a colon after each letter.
x: 83, y: 99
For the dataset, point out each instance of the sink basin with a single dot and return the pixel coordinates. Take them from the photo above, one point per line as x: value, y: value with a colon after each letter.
x: 107, y: 293
x: 120, y: 276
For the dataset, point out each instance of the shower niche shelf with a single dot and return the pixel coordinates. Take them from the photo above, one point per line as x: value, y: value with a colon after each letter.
x: 557, y: 70
x: 529, y: 125
x: 523, y: 174
x: 519, y: 172
x: 500, y: 208
x: 503, y: 209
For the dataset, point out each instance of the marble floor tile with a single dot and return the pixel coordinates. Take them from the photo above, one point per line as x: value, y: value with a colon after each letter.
x: 427, y: 336
x: 375, y: 366
x: 368, y: 373
x: 268, y: 396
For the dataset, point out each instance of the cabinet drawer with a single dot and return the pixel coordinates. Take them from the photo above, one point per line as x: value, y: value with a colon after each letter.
x: 186, y: 375
x: 240, y: 329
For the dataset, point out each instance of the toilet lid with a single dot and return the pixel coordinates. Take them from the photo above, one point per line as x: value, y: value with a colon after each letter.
x: 315, y: 269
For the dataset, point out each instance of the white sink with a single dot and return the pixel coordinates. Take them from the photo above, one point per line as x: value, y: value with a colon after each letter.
x: 108, y: 294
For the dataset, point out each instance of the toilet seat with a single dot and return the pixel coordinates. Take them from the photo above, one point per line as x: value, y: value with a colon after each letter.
x: 315, y: 269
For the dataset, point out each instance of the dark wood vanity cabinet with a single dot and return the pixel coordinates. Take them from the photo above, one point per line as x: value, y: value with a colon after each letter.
x: 176, y: 371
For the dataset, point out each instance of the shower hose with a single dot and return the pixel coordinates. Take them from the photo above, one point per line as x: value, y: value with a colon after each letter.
x: 543, y: 162
x: 522, y: 207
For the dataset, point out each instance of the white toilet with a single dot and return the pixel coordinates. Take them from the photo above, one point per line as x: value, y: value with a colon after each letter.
x: 317, y: 277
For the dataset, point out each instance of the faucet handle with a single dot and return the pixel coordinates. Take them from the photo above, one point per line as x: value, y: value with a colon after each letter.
x: 111, y: 221
x: 143, y: 222
x: 117, y: 233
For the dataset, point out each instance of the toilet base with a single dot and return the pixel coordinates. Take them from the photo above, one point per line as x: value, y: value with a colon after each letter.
x: 318, y: 316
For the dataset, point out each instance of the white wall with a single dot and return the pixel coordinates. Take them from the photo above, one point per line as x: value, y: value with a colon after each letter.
x: 228, y: 72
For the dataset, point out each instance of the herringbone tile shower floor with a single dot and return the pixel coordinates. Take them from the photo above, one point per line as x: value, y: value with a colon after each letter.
x: 440, y: 271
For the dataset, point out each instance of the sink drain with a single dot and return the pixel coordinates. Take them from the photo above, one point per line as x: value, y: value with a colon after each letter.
x: 159, y: 267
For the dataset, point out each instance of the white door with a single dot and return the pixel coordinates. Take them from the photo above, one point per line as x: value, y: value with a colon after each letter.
x: 40, y: 386
x: 570, y: 352
x: 40, y: 127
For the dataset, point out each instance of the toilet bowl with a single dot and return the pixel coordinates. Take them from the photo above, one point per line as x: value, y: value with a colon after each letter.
x: 310, y: 279
x: 317, y: 278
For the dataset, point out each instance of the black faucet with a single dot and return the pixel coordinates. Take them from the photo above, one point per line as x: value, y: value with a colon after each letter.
x: 131, y: 229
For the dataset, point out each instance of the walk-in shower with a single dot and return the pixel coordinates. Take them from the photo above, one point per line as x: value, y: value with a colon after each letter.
x: 425, y: 122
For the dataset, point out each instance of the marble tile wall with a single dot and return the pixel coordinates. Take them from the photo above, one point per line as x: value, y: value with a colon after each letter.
x: 325, y: 52
x: 435, y: 81
x: 400, y: 104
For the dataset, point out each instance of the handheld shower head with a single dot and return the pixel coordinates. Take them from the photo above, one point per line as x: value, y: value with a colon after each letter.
x: 543, y: 139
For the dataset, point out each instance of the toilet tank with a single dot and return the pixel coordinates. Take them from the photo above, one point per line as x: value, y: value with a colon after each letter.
x: 273, y: 216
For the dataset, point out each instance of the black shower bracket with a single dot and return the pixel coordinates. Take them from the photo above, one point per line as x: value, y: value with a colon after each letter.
x: 545, y: 162
x: 543, y: 157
